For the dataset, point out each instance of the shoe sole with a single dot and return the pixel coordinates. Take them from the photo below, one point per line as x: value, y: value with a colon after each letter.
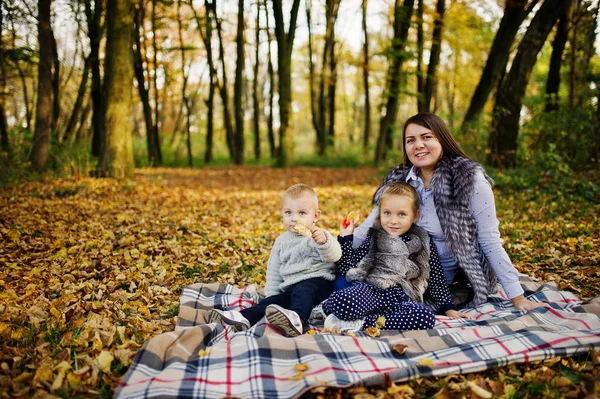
x: 216, y: 317
x: 280, y: 320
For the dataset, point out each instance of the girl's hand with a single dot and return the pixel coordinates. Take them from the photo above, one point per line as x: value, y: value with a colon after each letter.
x: 521, y: 303
x: 348, y: 230
x: 319, y: 236
x: 455, y: 314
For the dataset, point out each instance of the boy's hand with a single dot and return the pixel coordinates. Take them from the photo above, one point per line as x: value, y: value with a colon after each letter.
x: 521, y: 303
x: 455, y: 314
x: 319, y: 236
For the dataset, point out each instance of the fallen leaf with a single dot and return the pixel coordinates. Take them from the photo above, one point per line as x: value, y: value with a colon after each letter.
x: 400, y: 348
x: 301, y: 367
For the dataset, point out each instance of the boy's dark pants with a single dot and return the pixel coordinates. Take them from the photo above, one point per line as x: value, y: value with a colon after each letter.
x: 301, y: 297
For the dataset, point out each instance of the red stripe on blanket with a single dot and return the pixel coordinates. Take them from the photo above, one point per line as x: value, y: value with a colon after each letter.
x: 555, y: 313
x: 365, y: 354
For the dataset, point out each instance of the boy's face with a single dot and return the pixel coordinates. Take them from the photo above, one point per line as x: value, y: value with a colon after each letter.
x: 397, y: 214
x: 302, y: 209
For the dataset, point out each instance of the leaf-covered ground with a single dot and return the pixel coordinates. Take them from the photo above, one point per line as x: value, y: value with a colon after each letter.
x: 92, y: 268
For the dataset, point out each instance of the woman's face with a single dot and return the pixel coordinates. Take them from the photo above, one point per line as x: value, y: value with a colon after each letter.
x: 423, y: 148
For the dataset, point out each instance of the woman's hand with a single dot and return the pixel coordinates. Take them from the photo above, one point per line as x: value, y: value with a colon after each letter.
x: 521, y: 303
x: 455, y: 314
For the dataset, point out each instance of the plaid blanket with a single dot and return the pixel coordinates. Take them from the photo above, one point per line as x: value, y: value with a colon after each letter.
x: 211, y: 361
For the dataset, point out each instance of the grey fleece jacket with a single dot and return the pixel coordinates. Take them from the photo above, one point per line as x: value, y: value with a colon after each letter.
x: 295, y: 258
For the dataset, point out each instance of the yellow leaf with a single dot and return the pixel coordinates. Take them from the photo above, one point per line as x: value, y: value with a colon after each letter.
x: 56, y: 313
x: 373, y: 332
x: 479, y: 391
x: 206, y: 352
x: 301, y: 367
x: 297, y: 377
x: 311, y: 332
x: 104, y: 360
x: 425, y: 362
x: 380, y: 322
x: 404, y: 389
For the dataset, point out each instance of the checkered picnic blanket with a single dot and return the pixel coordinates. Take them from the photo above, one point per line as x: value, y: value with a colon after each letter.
x: 211, y: 361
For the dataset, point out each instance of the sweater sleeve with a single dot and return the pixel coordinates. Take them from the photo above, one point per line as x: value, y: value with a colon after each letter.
x: 483, y: 209
x: 274, y: 279
x: 351, y: 256
x: 438, y: 287
x: 331, y: 251
x: 360, y: 233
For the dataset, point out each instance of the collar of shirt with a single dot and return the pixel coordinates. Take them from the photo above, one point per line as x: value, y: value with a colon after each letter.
x: 413, y: 175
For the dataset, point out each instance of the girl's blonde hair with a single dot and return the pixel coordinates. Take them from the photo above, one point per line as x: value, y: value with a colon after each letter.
x: 401, y: 189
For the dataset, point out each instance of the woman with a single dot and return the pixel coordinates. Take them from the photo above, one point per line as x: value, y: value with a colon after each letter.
x: 457, y: 210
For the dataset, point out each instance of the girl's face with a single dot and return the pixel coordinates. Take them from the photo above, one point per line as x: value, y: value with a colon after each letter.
x: 396, y: 214
x: 422, y: 147
x: 302, y: 209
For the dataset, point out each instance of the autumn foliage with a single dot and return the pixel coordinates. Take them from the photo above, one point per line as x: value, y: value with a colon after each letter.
x: 92, y: 268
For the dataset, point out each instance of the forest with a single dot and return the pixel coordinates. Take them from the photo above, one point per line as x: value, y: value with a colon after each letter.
x: 102, y: 87
x: 145, y: 144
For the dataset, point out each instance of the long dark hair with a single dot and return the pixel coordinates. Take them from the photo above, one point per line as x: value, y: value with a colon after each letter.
x: 439, y: 129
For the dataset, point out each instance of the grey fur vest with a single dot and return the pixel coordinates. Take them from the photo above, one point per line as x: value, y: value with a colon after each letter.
x: 391, y: 262
x: 452, y: 185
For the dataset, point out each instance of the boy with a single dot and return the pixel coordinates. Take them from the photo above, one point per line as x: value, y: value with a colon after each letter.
x: 300, y: 269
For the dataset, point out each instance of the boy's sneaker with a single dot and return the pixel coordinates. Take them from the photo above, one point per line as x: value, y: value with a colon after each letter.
x: 332, y: 323
x: 229, y: 317
x: 286, y: 320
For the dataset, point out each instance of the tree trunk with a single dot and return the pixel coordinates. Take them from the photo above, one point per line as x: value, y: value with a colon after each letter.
x: 333, y: 7
x: 505, y: 123
x: 186, y: 100
x: 270, y: 133
x: 402, y: 16
x: 154, y: 152
x: 79, y: 136
x: 367, y: 114
x: 138, y: 67
x: 238, y: 91
x: 420, y: 48
x: 69, y: 132
x: 98, y: 96
x: 4, y: 143
x: 434, y: 57
x: 208, y: 157
x: 255, y: 103
x: 314, y: 107
x: 117, y: 158
x: 285, y: 44
x: 43, y: 115
x: 229, y: 128
x: 55, y: 92
x: 558, y: 47
x: 515, y: 11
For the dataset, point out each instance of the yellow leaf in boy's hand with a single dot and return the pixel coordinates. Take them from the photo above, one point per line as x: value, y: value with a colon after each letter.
x: 302, y: 229
x: 425, y: 362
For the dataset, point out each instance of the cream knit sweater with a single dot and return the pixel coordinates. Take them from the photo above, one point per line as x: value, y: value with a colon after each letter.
x: 295, y: 258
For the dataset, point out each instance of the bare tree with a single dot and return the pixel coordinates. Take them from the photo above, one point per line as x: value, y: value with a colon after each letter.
x: 117, y: 158
x: 515, y: 11
x: 402, y: 15
x: 505, y: 123
x: 238, y: 92
x: 40, y: 149
x: 4, y: 143
x: 285, y: 44
x: 270, y: 132
x: 255, y: 101
x: 367, y: 120
x: 434, y: 55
